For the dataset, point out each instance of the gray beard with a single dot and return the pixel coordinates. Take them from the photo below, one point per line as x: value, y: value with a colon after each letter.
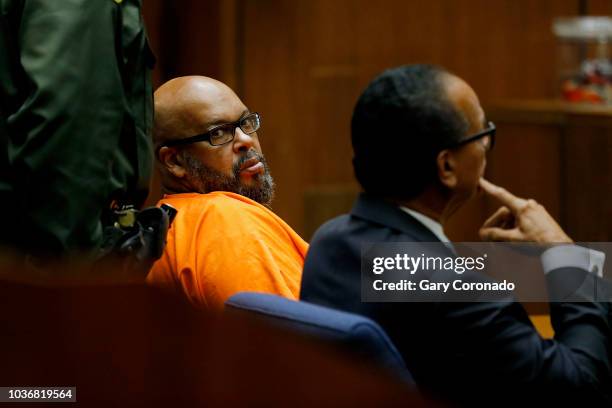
x: 208, y: 180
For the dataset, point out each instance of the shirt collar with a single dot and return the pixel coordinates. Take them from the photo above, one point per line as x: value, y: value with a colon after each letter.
x: 434, y: 226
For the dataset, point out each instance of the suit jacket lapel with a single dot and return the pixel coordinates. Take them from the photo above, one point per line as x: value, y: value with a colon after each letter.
x: 377, y: 210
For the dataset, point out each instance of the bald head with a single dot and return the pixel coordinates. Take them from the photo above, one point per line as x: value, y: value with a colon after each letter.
x: 185, y: 106
x: 195, y: 105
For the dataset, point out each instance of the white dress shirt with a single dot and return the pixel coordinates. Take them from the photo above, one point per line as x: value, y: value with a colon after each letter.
x: 434, y: 226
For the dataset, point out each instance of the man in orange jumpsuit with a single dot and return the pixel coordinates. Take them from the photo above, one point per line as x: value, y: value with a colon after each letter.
x: 224, y: 238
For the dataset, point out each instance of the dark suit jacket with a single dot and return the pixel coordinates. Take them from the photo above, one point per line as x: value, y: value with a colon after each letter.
x: 468, y: 353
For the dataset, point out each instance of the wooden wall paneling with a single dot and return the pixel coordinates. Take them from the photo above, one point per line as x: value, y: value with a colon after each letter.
x: 231, y: 41
x: 330, y: 75
x: 271, y: 86
x: 186, y: 37
x: 324, y: 202
x: 152, y: 12
x: 587, y: 192
x: 599, y: 7
x: 504, y: 48
x: 197, y: 43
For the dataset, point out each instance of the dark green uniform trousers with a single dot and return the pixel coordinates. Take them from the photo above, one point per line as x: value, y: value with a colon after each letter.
x: 75, y: 117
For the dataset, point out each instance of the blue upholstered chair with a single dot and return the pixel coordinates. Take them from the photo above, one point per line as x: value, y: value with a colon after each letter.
x: 356, y: 333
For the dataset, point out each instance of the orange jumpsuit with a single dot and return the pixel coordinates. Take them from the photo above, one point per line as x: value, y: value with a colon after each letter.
x: 222, y: 243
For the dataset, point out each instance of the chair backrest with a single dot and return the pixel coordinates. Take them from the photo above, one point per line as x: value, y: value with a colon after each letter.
x: 357, y: 333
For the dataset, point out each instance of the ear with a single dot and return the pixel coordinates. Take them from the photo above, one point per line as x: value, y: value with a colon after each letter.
x: 171, y: 161
x: 447, y: 169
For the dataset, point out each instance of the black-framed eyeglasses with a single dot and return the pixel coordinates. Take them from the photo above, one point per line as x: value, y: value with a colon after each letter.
x: 488, y: 131
x: 222, y: 134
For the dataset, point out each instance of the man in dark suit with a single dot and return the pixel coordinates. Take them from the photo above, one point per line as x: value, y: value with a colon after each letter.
x: 420, y: 138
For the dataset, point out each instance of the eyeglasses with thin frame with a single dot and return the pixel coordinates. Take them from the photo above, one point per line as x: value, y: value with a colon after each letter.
x: 488, y: 131
x: 222, y: 134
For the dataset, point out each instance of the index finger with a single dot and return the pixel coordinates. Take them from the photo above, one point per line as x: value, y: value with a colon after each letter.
x: 507, y: 198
